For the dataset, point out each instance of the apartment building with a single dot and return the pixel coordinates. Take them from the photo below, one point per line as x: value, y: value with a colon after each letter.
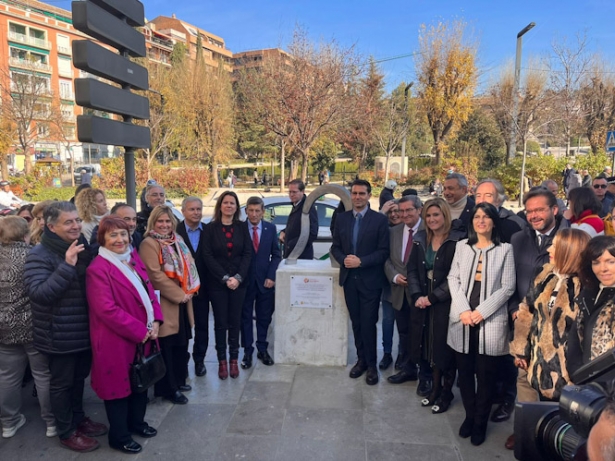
x: 257, y: 58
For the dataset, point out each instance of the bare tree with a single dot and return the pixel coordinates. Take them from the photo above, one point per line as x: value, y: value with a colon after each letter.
x: 447, y: 74
x: 598, y: 103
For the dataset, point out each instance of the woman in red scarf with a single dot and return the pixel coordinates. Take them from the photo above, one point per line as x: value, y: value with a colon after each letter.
x: 172, y: 271
x: 584, y: 206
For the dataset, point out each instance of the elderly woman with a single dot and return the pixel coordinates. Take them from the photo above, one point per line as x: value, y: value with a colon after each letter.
x: 593, y: 332
x: 124, y: 312
x: 428, y: 268
x: 37, y: 226
x: 544, y: 320
x: 16, y: 342
x: 481, y: 281
x: 92, y: 207
x: 227, y: 249
x: 173, y: 273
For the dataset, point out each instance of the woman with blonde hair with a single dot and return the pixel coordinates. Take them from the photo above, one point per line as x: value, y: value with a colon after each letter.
x: 92, y: 207
x: 544, y: 321
x: 37, y: 226
x: 173, y: 273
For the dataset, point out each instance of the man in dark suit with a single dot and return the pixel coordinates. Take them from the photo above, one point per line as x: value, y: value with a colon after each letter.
x: 361, y: 246
x: 260, y: 285
x: 191, y: 230
x: 456, y: 195
x: 290, y: 235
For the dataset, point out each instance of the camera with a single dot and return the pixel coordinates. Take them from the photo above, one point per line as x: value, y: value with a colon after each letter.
x: 547, y: 431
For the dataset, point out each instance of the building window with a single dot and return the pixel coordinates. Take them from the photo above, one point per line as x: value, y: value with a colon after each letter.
x: 42, y: 130
x: 65, y: 68
x: 66, y: 89
x: 63, y: 43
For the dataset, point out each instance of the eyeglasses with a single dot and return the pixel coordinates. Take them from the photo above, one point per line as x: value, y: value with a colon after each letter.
x: 407, y: 210
x: 600, y: 186
x: 536, y: 211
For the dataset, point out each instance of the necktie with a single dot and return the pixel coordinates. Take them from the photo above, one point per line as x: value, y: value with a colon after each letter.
x: 408, y: 247
x: 539, y: 240
x: 355, y: 232
x: 255, y: 237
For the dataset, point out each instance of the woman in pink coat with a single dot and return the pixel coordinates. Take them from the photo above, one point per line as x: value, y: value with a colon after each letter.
x: 124, y: 311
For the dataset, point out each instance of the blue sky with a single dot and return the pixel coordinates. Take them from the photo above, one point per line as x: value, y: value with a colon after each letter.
x: 389, y: 28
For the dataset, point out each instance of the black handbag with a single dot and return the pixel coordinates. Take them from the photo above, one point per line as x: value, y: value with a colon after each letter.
x: 146, y: 371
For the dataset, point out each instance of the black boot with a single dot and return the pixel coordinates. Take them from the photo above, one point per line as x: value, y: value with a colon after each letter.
x: 446, y: 396
x: 436, y: 389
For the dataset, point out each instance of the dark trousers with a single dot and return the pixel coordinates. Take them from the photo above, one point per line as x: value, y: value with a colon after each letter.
x: 263, y: 305
x: 227, y: 306
x: 68, y: 373
x: 506, y: 379
x: 403, y: 320
x: 125, y: 416
x: 363, y: 303
x: 477, y: 374
x: 176, y: 360
x: 200, y: 305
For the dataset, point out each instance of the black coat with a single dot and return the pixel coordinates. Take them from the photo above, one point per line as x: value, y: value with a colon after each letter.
x: 59, y: 305
x: 439, y: 297
x: 293, y: 230
x: 510, y: 224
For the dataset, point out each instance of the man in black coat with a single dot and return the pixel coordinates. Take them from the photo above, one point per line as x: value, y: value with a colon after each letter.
x: 456, y: 195
x: 290, y: 235
x: 54, y: 276
x: 361, y: 246
x: 492, y: 191
x: 191, y: 230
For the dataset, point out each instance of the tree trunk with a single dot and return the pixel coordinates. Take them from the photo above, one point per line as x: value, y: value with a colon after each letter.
x: 282, y: 160
x: 4, y: 167
x: 304, y: 167
x: 71, y: 167
x: 437, y: 150
x: 294, y: 167
x: 386, y: 166
x: 27, y: 161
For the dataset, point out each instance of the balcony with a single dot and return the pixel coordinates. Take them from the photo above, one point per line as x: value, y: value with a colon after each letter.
x: 30, y: 65
x: 165, y: 44
x: 27, y: 40
x: 65, y: 50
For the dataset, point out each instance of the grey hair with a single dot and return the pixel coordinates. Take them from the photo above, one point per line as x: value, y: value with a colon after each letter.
x: 416, y: 201
x: 191, y: 198
x: 461, y: 179
x: 153, y: 186
x: 54, y: 210
x: 498, y: 188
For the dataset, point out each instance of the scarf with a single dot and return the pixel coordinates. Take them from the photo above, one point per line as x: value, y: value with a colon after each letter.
x: 133, y: 277
x: 58, y: 246
x: 177, y: 262
x: 458, y: 207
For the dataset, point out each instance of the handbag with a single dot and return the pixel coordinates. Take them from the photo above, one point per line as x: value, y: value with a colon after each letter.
x: 145, y: 371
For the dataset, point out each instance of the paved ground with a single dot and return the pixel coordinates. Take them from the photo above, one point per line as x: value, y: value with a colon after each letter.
x: 281, y: 413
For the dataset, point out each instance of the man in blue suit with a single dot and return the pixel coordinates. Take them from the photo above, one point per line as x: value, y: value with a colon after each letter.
x: 361, y: 247
x: 260, y: 293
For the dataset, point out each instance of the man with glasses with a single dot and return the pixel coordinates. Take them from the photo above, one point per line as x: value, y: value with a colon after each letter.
x: 600, y: 185
x: 530, y: 247
x: 290, y: 236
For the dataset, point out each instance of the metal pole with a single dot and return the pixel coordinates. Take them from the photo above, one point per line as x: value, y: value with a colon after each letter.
x: 512, y: 146
x: 404, y: 170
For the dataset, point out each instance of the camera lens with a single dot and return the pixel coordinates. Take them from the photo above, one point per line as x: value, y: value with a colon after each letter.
x: 559, y: 440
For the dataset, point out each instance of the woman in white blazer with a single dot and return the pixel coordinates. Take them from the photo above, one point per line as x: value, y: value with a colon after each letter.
x: 481, y: 280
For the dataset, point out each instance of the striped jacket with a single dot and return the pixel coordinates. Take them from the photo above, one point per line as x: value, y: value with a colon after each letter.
x: 498, y: 284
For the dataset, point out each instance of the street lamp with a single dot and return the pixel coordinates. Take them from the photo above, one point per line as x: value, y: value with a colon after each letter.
x: 512, y: 146
x: 403, y: 141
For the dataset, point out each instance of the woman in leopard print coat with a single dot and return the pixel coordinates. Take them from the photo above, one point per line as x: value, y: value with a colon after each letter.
x: 593, y: 333
x: 545, y: 318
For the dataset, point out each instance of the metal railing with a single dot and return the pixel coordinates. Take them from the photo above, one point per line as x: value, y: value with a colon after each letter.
x: 28, y: 64
x: 23, y: 38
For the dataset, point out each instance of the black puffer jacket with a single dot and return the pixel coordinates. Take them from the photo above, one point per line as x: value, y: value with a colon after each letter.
x: 59, y: 305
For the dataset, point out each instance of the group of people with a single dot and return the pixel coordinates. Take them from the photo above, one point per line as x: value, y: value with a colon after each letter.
x: 81, y: 287
x: 508, y: 305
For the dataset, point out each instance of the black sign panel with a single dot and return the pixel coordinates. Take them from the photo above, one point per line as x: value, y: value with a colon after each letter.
x: 132, y: 10
x: 101, y: 96
x: 99, y: 130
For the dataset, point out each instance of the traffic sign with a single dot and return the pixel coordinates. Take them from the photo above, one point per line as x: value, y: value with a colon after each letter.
x: 610, y: 141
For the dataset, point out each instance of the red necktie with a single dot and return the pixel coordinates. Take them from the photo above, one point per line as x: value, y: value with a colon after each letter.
x: 408, y: 247
x: 255, y: 237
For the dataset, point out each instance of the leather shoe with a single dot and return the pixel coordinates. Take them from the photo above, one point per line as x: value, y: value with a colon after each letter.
x: 233, y: 369
x: 185, y: 388
x: 358, y: 369
x: 424, y: 387
x: 90, y: 428
x: 223, y: 369
x: 510, y: 442
x: 402, y: 377
x: 177, y: 398
x: 371, y: 378
x: 247, y: 361
x: 265, y: 358
x: 503, y: 412
x: 399, y: 362
x: 79, y: 442
x: 199, y: 369
x: 147, y: 432
x: 132, y: 448
x: 387, y: 360
x: 479, y: 433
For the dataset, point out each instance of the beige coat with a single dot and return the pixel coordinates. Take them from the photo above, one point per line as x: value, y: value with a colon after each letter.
x: 171, y: 293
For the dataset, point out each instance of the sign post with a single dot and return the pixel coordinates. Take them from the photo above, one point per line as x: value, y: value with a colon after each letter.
x: 113, y: 23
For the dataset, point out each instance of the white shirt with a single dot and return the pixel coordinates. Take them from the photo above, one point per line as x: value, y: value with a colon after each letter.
x: 9, y: 199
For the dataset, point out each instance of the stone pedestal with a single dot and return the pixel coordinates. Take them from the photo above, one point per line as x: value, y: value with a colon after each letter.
x: 309, y: 336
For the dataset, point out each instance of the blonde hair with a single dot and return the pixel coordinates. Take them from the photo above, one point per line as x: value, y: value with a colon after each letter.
x: 569, y: 245
x: 35, y: 230
x: 441, y: 204
x: 156, y: 213
x: 13, y: 229
x: 86, y: 203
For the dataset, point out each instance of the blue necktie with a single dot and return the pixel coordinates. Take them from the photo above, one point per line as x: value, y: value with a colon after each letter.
x: 355, y: 232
